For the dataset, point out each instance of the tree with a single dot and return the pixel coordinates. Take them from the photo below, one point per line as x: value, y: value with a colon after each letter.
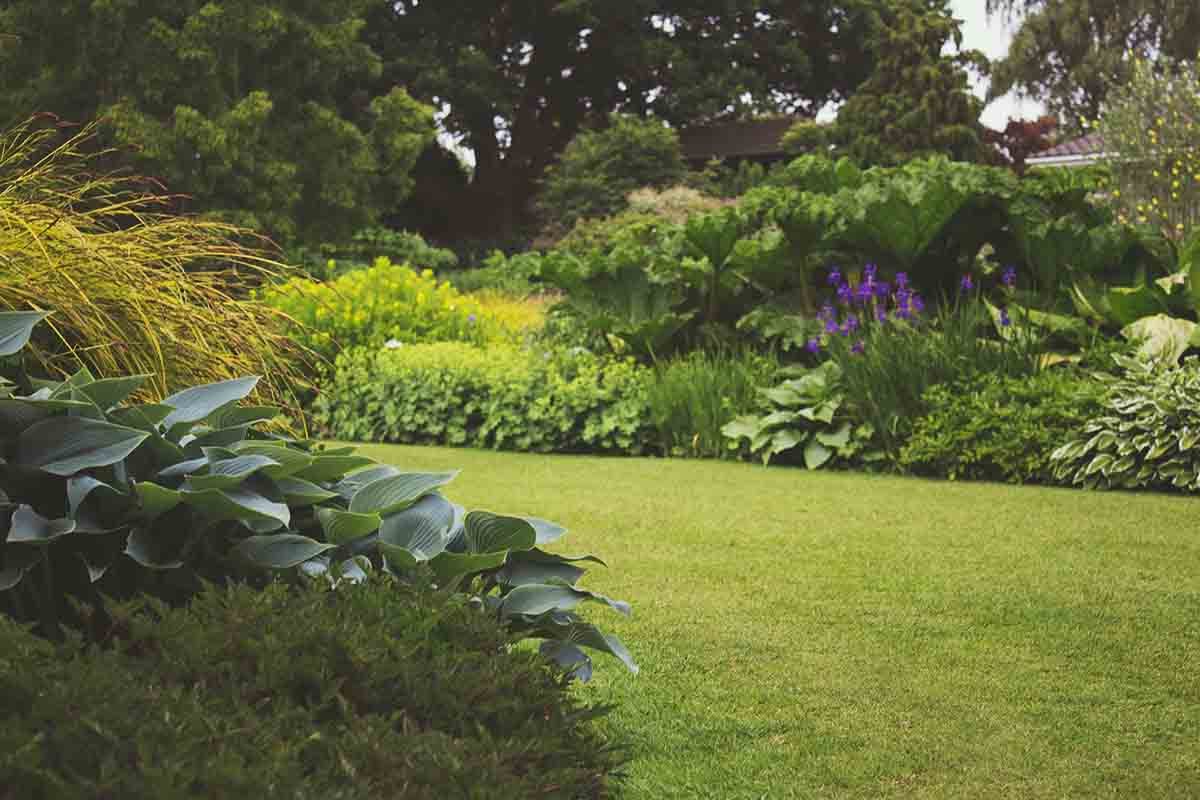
x: 916, y: 101
x: 267, y: 113
x: 1022, y: 138
x: 518, y: 79
x: 1067, y: 53
x: 598, y: 169
x: 1150, y: 125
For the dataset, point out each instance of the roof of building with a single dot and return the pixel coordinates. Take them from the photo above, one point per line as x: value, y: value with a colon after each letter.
x: 1085, y: 148
x: 745, y: 138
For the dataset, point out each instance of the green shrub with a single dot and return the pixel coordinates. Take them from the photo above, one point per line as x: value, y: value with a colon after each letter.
x: 104, y: 499
x: 599, y: 168
x: 1144, y: 435
x: 518, y: 274
x: 329, y: 261
x: 807, y: 418
x: 373, y: 690
x: 383, y: 302
x: 997, y: 428
x: 498, y: 397
x: 692, y: 397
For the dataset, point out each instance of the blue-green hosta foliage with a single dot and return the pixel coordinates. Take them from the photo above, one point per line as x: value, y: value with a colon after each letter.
x: 1145, y: 435
x: 498, y: 397
x: 99, y: 497
x: 807, y: 415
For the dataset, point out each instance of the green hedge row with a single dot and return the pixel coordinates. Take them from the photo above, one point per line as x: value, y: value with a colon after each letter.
x: 366, y: 691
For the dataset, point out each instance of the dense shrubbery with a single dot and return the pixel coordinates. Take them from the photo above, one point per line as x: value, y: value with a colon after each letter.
x: 500, y: 397
x: 383, y: 302
x: 999, y: 428
x: 373, y: 690
x: 1145, y: 434
x: 330, y: 261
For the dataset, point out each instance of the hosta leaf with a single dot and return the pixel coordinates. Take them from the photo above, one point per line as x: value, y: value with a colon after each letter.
x: 198, y: 402
x: 156, y: 500
x: 66, y: 445
x: 578, y: 632
x: 1098, y: 463
x: 328, y: 468
x: 289, y: 461
x: 422, y: 530
x: 816, y: 454
x: 782, y: 441
x: 542, y: 557
x: 15, y: 329
x: 742, y: 427
x: 229, y: 472
x: 280, y: 551
x: 836, y: 439
x: 449, y: 566
x: 241, y: 504
x: 521, y: 573
x: 350, y: 484
x: 569, y: 657
x: 538, y: 599
x: 184, y: 468
x: 397, y: 492
x: 144, y: 417
x: 107, y: 392
x: 80, y: 486
x: 486, y: 532
x: 345, y: 526
x: 30, y: 527
x: 237, y: 416
x: 546, y: 531
x: 301, y: 493
x: 17, y: 561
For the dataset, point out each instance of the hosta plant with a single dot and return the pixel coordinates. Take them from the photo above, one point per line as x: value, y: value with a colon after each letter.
x: 103, y: 498
x: 1146, y: 434
x: 806, y: 413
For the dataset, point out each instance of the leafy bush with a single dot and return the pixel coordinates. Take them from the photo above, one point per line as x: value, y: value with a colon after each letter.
x: 694, y: 396
x: 599, y: 168
x: 674, y: 204
x: 517, y: 275
x: 806, y: 413
x: 1145, y: 434
x: 384, y: 302
x: 139, y: 291
x: 108, y: 499
x: 498, y: 397
x: 372, y: 690
x: 997, y: 428
x: 330, y: 261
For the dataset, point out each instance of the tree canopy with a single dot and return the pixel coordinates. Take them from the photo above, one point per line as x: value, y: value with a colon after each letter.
x: 269, y: 113
x: 1067, y: 53
x: 518, y: 79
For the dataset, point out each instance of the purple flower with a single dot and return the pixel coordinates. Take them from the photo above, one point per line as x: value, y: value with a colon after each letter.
x: 844, y: 293
x: 903, y: 312
x: 852, y: 322
x: 470, y: 319
x: 1004, y: 320
x: 967, y: 284
x: 880, y: 314
x: 834, y: 278
x: 902, y: 280
x: 1009, y: 277
x: 858, y: 347
x: 918, y: 305
x: 864, y: 292
x: 844, y: 329
x: 831, y: 325
x: 869, y: 270
x: 826, y: 312
x: 882, y: 290
x: 813, y: 346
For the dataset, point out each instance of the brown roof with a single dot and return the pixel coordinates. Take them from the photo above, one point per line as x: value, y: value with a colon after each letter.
x: 1091, y: 144
x: 753, y: 137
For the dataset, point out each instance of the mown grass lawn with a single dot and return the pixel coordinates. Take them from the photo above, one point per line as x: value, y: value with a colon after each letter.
x: 847, y: 635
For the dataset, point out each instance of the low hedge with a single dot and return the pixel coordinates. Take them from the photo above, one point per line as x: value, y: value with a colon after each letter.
x: 500, y: 397
x: 366, y: 691
x: 990, y: 427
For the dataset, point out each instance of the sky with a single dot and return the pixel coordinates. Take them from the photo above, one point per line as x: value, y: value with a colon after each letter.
x: 991, y: 36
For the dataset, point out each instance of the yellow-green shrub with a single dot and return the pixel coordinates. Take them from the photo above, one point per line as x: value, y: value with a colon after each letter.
x: 513, y: 313
x: 382, y: 303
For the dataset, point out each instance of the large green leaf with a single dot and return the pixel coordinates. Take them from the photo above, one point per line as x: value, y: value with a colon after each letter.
x: 241, y: 504
x: 280, y: 551
x: 816, y: 454
x: 1163, y: 337
x: 156, y: 500
x: 299, y: 493
x: 143, y: 417
x: 196, y: 403
x: 397, y: 492
x: 30, y: 527
x: 66, y: 445
x: 569, y: 657
x: 1131, y: 303
x: 546, y: 531
x: 17, y: 560
x: 522, y: 573
x: 288, y: 460
x: 341, y: 527
x: 448, y: 566
x: 107, y: 392
x: 486, y: 532
x: 230, y: 472
x: 15, y: 329
x: 350, y: 484
x: 537, y: 599
x: 328, y: 468
x: 421, y: 530
x: 577, y: 632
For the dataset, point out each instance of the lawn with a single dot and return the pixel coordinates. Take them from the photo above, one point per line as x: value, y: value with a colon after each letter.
x: 845, y: 635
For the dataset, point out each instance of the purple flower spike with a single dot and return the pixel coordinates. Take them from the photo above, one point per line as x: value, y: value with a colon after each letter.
x: 852, y: 322
x: 880, y: 314
x: 1009, y: 277
x: 902, y: 280
x: 813, y: 346
x: 844, y: 293
x: 858, y: 347
x: 1004, y: 320
x: 967, y: 283
x: 882, y: 290
x: 918, y: 305
x: 869, y: 270
x: 834, y: 278
x: 831, y: 325
x: 864, y: 292
x: 844, y: 329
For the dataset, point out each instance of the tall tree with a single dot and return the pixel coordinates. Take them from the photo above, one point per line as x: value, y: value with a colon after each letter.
x: 916, y: 101
x: 519, y: 78
x: 1067, y: 53
x: 269, y: 113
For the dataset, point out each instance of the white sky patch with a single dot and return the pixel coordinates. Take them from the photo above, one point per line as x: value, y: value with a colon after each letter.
x: 992, y: 37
